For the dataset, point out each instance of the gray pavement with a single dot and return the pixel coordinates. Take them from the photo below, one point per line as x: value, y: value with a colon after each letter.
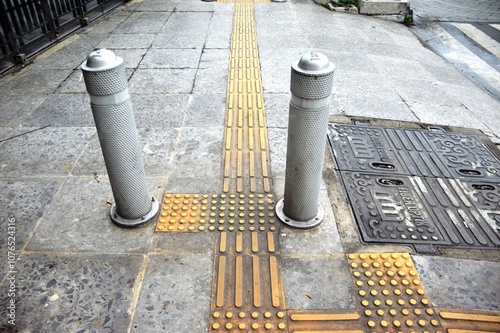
x: 77, y: 272
x: 457, y: 10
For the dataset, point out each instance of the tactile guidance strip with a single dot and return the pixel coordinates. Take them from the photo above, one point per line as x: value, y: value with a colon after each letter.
x: 427, y: 153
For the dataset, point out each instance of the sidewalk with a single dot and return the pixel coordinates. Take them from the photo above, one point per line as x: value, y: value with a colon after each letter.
x: 77, y: 272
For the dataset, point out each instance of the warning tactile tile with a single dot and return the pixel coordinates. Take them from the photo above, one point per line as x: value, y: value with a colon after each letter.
x: 460, y: 321
x: 391, y: 294
x: 184, y: 212
x: 213, y: 212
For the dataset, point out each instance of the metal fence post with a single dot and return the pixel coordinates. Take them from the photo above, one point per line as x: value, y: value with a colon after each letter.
x: 107, y: 85
x: 311, y: 87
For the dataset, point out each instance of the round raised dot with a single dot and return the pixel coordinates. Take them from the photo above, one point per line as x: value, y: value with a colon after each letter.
x: 434, y: 322
x: 409, y: 323
x: 408, y: 264
x: 420, y: 291
x: 241, y: 314
x: 401, y: 301
x: 389, y: 302
x: 365, y: 265
x: 413, y: 301
x: 370, y: 283
x: 368, y: 273
x: 397, y: 292
x: 371, y: 323
x: 267, y: 314
x: 351, y: 256
x: 191, y: 228
x: 354, y: 265
x: 394, y: 256
x: 281, y: 326
x: 216, y: 326
x: 373, y: 293
x: 356, y: 274
x: 171, y: 227
x: 365, y: 303
x: 396, y: 323
x: 362, y: 293
x: 255, y: 315
x: 160, y: 227
x: 255, y: 326
x: 359, y: 283
x: 384, y: 255
x: 373, y: 256
x: 382, y: 282
x: 430, y: 312
x: 397, y: 264
x: 280, y: 314
x: 401, y: 273
x: 383, y: 323
x: 362, y: 256
x: 181, y: 227
x: 242, y: 326
x: 393, y: 312
x: 229, y: 315
x: 390, y: 273
x: 229, y: 326
x: 387, y: 264
x: 380, y: 312
x: 379, y: 273
x: 425, y: 301
x: 409, y: 292
x: 405, y: 312
x: 268, y: 326
x: 368, y: 313
x: 394, y: 282
x: 413, y: 272
x: 211, y: 228
x: 385, y: 292
x: 377, y: 302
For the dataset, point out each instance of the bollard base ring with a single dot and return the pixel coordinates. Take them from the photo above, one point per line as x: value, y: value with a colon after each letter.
x: 123, y: 222
x: 299, y: 224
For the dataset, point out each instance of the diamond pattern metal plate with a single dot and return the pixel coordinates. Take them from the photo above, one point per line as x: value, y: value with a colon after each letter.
x: 425, y: 188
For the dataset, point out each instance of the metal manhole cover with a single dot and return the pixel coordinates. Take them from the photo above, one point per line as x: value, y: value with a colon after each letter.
x: 422, y: 188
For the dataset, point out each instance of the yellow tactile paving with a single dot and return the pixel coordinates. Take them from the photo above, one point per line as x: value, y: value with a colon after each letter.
x: 390, y: 293
x: 246, y: 151
x: 185, y: 213
x: 461, y: 321
x: 213, y: 212
x: 325, y: 321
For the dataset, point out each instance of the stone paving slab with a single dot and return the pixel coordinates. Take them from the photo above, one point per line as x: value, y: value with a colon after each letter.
x: 469, y: 284
x: 74, y: 292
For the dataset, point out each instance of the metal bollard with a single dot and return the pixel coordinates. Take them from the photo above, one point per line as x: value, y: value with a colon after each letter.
x: 311, y: 87
x: 106, y: 82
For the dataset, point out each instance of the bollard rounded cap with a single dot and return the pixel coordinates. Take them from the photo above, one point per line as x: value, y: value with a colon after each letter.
x: 314, y: 63
x: 101, y: 59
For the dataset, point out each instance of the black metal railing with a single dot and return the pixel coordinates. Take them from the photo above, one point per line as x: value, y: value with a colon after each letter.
x: 27, y: 26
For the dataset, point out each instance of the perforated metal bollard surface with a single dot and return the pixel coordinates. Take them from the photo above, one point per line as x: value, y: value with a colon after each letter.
x: 106, y: 82
x: 311, y: 87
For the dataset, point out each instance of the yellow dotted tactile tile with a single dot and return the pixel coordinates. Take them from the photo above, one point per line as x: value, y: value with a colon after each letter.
x: 462, y: 321
x: 213, y: 212
x: 254, y: 321
x: 184, y: 212
x: 391, y: 294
